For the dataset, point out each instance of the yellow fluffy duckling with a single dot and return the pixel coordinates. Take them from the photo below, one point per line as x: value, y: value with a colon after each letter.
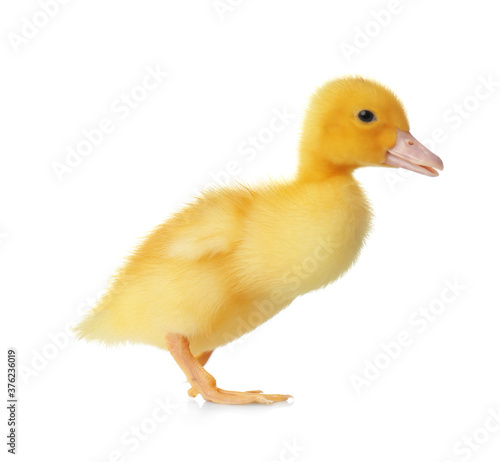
x: 222, y: 265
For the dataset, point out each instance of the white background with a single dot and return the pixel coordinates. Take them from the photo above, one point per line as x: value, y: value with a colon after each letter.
x: 228, y: 72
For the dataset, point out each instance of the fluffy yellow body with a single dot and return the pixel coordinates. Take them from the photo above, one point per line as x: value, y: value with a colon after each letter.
x: 231, y: 260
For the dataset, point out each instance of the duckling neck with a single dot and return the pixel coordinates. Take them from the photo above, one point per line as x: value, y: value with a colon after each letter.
x: 313, y: 168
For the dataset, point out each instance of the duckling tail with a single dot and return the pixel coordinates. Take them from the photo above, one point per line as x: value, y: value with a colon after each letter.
x: 97, y: 325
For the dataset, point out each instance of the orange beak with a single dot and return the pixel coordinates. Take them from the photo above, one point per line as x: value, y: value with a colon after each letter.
x: 411, y: 154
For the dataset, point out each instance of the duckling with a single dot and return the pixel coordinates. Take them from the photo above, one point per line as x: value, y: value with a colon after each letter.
x: 222, y: 265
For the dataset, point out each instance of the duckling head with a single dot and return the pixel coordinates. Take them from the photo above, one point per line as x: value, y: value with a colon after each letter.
x: 353, y: 122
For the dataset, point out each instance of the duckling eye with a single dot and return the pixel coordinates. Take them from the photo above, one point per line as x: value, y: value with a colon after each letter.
x: 366, y: 116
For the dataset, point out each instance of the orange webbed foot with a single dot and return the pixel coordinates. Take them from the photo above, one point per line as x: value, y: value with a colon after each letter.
x: 203, y: 383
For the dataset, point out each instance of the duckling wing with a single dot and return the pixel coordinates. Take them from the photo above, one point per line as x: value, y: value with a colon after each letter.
x: 209, y: 226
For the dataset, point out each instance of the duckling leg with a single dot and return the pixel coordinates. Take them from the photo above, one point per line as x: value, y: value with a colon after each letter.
x: 202, y: 359
x: 202, y: 382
